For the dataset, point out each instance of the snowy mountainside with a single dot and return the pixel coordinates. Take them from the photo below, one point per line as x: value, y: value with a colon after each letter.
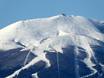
x: 55, y: 47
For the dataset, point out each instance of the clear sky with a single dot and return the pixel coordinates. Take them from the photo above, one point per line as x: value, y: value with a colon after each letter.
x: 14, y: 10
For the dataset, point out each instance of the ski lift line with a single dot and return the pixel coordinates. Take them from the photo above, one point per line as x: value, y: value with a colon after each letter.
x: 26, y: 59
x: 58, y: 64
x: 30, y: 50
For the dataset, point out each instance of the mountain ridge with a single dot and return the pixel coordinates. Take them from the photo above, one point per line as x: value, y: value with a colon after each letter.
x: 39, y: 39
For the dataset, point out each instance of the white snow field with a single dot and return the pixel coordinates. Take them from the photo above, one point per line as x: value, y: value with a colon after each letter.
x: 33, y: 40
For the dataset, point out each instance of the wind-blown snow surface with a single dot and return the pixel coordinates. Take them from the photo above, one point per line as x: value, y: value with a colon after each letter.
x: 55, y: 47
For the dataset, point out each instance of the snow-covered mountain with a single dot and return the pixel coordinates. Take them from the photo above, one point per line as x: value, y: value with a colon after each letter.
x: 55, y: 47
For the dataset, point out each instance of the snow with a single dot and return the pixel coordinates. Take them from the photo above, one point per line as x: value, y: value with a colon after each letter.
x: 33, y: 31
x: 52, y: 34
x: 35, y: 75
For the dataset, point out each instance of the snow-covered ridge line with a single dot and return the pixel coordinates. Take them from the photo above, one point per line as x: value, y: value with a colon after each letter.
x: 45, y: 35
x: 35, y: 30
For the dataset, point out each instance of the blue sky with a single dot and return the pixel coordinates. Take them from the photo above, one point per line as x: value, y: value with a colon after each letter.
x: 14, y: 10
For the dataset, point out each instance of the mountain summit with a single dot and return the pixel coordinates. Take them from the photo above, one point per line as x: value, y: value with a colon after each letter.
x: 55, y: 47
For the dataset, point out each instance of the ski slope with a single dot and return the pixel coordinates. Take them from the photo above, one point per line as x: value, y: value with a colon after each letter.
x: 50, y: 35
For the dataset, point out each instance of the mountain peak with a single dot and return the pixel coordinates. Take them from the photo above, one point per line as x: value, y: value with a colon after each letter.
x: 65, y: 40
x: 32, y: 31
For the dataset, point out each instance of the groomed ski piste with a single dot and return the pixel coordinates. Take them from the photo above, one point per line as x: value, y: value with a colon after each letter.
x: 55, y: 47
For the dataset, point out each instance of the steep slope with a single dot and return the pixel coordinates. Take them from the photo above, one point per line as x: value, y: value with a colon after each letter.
x: 55, y: 47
